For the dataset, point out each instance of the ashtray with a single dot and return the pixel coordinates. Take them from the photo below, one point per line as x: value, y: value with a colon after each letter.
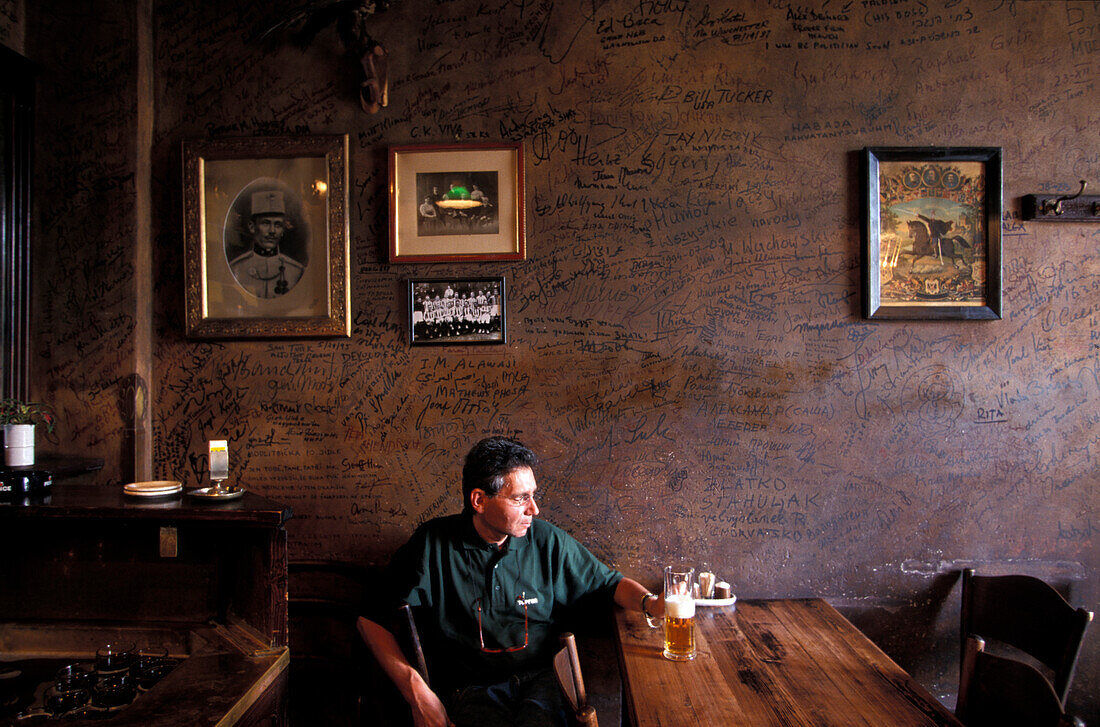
x: 215, y: 493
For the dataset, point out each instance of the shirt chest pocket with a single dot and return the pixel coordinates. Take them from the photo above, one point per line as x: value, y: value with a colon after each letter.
x: 511, y: 593
x: 520, y: 588
x: 536, y: 606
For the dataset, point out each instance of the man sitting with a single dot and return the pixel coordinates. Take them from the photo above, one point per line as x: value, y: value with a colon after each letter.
x: 491, y: 586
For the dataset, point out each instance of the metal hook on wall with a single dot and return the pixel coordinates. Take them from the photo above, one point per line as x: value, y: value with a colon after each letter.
x: 1077, y: 207
x: 1055, y: 206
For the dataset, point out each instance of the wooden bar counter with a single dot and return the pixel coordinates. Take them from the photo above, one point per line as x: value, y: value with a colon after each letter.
x: 216, y: 682
x: 781, y: 663
x: 207, y: 581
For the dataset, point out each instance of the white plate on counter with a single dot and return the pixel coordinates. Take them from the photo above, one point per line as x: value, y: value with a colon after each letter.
x: 716, y: 601
x: 155, y: 488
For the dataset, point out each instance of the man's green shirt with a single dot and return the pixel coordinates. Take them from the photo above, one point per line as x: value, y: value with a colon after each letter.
x: 447, y: 571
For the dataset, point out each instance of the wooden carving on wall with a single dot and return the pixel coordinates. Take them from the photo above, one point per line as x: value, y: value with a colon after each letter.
x: 351, y: 19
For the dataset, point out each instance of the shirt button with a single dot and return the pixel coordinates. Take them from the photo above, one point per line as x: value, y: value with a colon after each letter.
x: 498, y: 588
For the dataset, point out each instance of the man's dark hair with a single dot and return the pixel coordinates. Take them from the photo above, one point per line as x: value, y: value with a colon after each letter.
x: 489, y: 461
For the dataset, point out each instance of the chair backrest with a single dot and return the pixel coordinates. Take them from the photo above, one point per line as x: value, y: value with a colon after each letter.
x: 383, y: 704
x: 567, y: 668
x: 1002, y: 692
x: 412, y: 647
x: 1028, y: 614
x: 326, y: 653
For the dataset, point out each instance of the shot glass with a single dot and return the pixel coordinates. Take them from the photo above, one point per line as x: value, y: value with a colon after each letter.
x: 113, y: 691
x: 151, y: 666
x: 73, y: 676
x: 114, y: 658
x: 148, y: 656
x: 62, y: 701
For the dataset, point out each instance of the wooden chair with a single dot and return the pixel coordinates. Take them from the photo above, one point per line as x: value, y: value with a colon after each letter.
x: 327, y: 656
x: 1027, y: 614
x: 567, y: 668
x: 995, y: 691
x: 383, y: 703
x: 412, y: 647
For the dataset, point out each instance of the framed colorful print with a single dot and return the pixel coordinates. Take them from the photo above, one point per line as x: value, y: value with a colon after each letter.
x: 932, y: 246
x: 265, y: 224
x: 457, y: 310
x: 461, y: 202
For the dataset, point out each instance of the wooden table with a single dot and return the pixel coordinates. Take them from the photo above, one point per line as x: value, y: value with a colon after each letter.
x: 787, y: 663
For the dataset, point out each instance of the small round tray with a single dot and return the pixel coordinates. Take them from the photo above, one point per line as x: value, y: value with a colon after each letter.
x: 716, y: 601
x: 212, y: 493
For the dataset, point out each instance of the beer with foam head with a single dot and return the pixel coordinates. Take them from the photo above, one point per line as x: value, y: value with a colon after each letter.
x: 679, y: 628
x: 679, y: 614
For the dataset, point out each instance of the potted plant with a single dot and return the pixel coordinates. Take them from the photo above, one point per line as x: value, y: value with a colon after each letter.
x: 19, y: 419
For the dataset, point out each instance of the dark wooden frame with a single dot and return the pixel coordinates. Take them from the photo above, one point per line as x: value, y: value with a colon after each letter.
x: 501, y: 338
x: 873, y: 307
x: 17, y: 87
x: 407, y: 161
x: 332, y: 312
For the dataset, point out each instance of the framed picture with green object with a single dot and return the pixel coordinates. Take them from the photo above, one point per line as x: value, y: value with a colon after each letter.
x: 932, y: 233
x: 457, y: 203
x: 266, y: 237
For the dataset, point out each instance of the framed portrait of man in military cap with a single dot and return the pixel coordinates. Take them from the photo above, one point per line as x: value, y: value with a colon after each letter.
x: 266, y: 237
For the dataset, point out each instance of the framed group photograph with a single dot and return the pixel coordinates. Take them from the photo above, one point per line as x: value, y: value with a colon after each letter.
x: 932, y: 247
x: 457, y: 311
x: 459, y: 202
x: 266, y: 237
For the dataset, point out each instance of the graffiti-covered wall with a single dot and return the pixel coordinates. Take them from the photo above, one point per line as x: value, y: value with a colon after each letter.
x: 685, y: 343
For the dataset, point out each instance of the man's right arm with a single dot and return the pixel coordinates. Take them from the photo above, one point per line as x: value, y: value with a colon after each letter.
x: 427, y: 709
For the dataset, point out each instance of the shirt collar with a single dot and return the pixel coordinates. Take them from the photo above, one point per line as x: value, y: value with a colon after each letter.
x: 471, y: 540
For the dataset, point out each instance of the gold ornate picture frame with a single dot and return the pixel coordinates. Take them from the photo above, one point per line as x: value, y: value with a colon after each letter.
x: 266, y: 237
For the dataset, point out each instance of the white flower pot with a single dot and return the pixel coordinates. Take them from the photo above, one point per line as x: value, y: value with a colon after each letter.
x: 18, y: 445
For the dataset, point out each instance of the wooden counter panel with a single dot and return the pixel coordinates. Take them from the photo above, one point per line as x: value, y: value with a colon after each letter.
x: 94, y: 554
x: 94, y: 566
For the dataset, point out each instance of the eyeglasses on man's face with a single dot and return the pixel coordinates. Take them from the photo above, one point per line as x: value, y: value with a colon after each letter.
x: 519, y: 500
x: 522, y: 601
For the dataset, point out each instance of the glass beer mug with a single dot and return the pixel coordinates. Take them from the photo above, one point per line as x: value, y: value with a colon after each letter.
x: 679, y: 613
